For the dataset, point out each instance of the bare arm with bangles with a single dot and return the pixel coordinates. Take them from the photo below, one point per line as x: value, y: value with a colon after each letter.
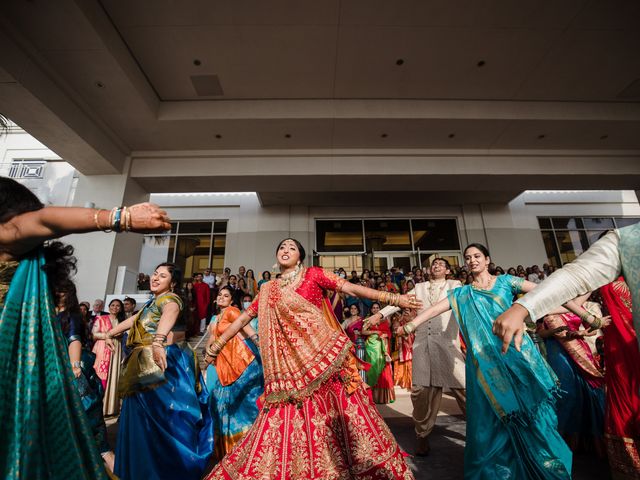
x: 215, y: 345
x: 402, y: 301
x: 168, y: 319
x: 24, y: 232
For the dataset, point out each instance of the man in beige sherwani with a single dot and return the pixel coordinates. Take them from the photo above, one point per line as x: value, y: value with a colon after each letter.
x: 438, y: 362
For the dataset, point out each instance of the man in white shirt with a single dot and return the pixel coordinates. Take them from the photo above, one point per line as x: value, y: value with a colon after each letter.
x: 535, y: 276
x: 438, y: 362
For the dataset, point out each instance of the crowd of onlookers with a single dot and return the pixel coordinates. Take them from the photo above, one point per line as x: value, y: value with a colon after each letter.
x: 201, y: 290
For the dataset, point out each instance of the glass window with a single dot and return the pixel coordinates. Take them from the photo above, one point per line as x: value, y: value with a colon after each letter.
x: 553, y: 256
x: 437, y: 234
x: 220, y: 227
x: 192, y: 253
x: 339, y: 236
x: 626, y: 221
x: 387, y: 235
x: 567, y: 223
x: 594, y: 235
x: 598, y: 223
x: 174, y: 227
x: 572, y: 244
x: 195, y: 227
x: 348, y: 262
x: 545, y: 223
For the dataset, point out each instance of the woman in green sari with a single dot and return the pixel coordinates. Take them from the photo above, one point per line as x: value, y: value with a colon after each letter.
x: 46, y: 432
x: 512, y: 423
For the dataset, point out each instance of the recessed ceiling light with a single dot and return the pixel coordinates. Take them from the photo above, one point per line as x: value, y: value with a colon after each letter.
x: 287, y: 135
x: 218, y: 135
x: 197, y: 62
x: 99, y: 84
x: 384, y: 135
x: 541, y: 136
x: 400, y: 61
x: 451, y: 135
x: 481, y: 63
x: 604, y: 137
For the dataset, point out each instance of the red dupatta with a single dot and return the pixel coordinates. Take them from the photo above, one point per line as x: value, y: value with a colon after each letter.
x: 577, y: 348
x: 300, y: 349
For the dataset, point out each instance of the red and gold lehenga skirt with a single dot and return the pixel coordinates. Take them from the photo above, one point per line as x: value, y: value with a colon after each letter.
x: 318, y: 421
x: 622, y: 357
x: 331, y: 435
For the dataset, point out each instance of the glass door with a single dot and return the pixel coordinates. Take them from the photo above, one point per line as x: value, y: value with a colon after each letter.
x: 387, y: 260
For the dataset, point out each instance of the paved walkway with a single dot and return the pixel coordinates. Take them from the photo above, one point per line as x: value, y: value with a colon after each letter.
x: 447, y: 443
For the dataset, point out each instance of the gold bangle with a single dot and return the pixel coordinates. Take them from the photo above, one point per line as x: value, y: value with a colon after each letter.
x: 128, y: 220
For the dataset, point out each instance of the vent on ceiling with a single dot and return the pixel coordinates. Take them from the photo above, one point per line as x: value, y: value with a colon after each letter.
x: 632, y: 90
x: 207, y: 85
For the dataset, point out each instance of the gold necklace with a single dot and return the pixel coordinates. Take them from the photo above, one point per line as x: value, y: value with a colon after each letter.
x: 476, y: 284
x: 287, y: 278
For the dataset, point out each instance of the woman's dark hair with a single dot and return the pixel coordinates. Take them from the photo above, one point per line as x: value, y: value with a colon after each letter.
x: 231, y: 292
x: 253, y: 275
x: 354, y: 305
x: 479, y: 246
x: 267, y: 273
x: 16, y: 199
x: 375, y: 303
x: 303, y: 254
x: 120, y: 315
x: 71, y: 308
x: 176, y: 279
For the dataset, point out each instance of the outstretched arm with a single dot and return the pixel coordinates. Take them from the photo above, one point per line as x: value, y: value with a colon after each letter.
x: 404, y: 301
x: 429, y: 313
x: 24, y: 232
x: 215, y: 345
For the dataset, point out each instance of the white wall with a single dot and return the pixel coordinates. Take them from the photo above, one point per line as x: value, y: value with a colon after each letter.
x: 511, y: 231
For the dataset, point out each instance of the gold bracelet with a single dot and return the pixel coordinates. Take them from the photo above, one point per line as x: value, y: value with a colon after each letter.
x: 128, y: 220
x: 409, y: 328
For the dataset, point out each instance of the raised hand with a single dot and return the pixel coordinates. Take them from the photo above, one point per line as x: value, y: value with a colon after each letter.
x: 148, y: 218
x: 410, y: 301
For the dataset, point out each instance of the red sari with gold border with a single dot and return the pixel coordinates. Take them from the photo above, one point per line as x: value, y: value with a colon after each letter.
x: 622, y: 358
x: 317, y: 421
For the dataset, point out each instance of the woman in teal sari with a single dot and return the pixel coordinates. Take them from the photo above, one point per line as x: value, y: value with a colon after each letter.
x: 46, y: 432
x: 512, y: 424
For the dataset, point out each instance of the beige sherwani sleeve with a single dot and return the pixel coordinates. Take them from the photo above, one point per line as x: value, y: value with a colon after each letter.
x: 596, y: 267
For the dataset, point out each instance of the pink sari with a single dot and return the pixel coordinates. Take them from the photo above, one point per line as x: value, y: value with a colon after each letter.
x: 103, y: 354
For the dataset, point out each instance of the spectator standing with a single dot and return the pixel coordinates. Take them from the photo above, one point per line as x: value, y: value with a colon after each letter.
x: 201, y: 298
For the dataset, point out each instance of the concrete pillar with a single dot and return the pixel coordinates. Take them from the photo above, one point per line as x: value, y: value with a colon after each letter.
x: 100, y: 254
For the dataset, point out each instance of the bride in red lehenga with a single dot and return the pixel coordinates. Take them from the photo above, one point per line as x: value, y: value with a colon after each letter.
x: 318, y: 420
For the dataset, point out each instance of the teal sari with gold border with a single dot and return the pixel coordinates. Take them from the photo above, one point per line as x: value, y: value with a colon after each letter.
x: 45, y: 431
x: 511, y: 420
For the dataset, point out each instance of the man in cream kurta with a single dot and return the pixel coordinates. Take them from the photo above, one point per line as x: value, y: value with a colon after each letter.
x: 438, y: 362
x: 615, y: 253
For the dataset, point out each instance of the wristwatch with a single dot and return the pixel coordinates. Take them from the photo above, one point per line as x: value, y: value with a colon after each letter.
x: 77, y: 364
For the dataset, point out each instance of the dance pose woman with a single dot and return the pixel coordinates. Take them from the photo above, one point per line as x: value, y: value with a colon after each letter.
x: 46, y: 433
x: 235, y: 382
x: 511, y: 421
x: 165, y: 428
x: 318, y: 421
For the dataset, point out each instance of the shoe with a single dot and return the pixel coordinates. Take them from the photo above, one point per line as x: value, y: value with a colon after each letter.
x: 422, y: 447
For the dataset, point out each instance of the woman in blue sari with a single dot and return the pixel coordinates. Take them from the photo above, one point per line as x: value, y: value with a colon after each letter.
x: 46, y: 432
x: 82, y: 360
x: 235, y: 382
x: 165, y: 429
x: 511, y: 420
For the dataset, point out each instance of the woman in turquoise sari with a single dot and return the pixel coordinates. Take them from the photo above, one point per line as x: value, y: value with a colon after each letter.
x: 165, y: 429
x: 511, y: 420
x: 46, y: 432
